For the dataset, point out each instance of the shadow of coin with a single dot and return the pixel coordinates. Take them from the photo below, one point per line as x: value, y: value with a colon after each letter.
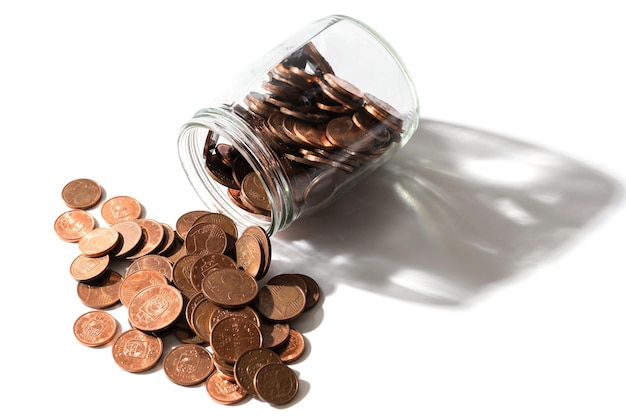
x: 455, y: 211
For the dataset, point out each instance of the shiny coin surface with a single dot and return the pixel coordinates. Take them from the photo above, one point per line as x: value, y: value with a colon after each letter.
x: 98, y: 242
x: 276, y: 383
x: 120, y: 208
x: 131, y: 235
x: 248, y: 363
x: 137, y: 281
x: 86, y: 268
x: 135, y: 351
x: 293, y: 349
x: 95, y: 328
x: 232, y: 336
x: 188, y: 365
x: 82, y: 193
x: 155, y: 308
x: 223, y: 390
x: 205, y: 238
x: 72, y: 225
x: 104, y: 292
x: 230, y: 287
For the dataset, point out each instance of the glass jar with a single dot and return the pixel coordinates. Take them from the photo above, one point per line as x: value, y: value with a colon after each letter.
x: 310, y: 119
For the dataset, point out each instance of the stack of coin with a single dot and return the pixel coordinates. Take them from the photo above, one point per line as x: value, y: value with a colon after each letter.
x: 323, y: 128
x: 202, y: 282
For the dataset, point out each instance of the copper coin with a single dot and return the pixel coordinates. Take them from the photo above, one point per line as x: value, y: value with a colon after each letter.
x: 254, y: 192
x: 200, y: 319
x: 230, y: 287
x: 136, y: 281
x: 135, y: 351
x: 232, y: 336
x: 155, y: 308
x: 224, y: 391
x: 274, y: 333
x: 188, y: 365
x: 246, y: 312
x: 102, y: 293
x: 250, y: 256
x: 98, y: 242
x: 223, y: 367
x: 248, y: 363
x: 293, y: 349
x: 154, y: 262
x: 280, y: 302
x: 206, y: 264
x: 95, y: 328
x: 313, y: 291
x: 154, y: 236
x: 131, y: 236
x: 226, y: 223
x: 343, y: 133
x: 169, y: 239
x: 85, y: 268
x: 190, y: 306
x: 205, y: 238
x: 185, y: 221
x: 276, y: 383
x: 265, y: 245
x: 72, y: 225
x: 120, y: 208
x: 82, y: 193
x: 181, y: 275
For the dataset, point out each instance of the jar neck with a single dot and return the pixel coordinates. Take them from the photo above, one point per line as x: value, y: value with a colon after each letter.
x: 230, y: 127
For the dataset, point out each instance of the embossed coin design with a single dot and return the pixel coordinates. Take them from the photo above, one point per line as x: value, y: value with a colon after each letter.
x: 120, y: 208
x: 188, y: 365
x: 135, y: 351
x: 95, y: 328
x: 72, y: 225
x: 82, y: 193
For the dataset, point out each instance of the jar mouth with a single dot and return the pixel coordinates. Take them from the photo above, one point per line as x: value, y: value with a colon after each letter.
x: 228, y: 127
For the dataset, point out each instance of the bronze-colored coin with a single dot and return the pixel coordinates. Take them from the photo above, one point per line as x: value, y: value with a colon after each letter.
x: 181, y: 275
x: 293, y: 349
x: 248, y: 363
x: 131, y: 236
x: 135, y: 351
x: 281, y: 301
x: 308, y: 134
x: 185, y: 334
x: 253, y: 192
x: 82, y: 193
x: 205, y: 238
x: 137, y: 281
x: 219, y: 171
x: 313, y: 291
x: 72, y: 225
x: 85, y: 268
x: 317, y: 59
x: 191, y: 304
x: 206, y: 264
x: 224, y: 391
x: 95, y: 328
x: 184, y: 222
x: 188, y: 364
x: 223, y: 367
x: 169, y: 239
x: 383, y: 111
x: 343, y: 133
x: 226, y: 153
x: 230, y: 288
x: 341, y: 90
x: 181, y: 272
x: 250, y: 256
x: 232, y: 336
x: 226, y: 223
x: 276, y: 383
x: 155, y: 308
x: 101, y: 293
x: 274, y: 333
x: 200, y: 318
x: 265, y: 245
x: 246, y: 312
x: 120, y: 208
x: 154, y: 262
x: 154, y: 236
x: 98, y: 242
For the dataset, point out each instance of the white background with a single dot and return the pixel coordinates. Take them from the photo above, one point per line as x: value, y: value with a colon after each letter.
x: 480, y: 273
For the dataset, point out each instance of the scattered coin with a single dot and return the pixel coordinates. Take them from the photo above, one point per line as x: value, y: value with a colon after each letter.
x: 120, y: 208
x: 82, y: 193
x: 73, y: 225
x: 95, y: 328
x: 104, y: 292
x: 135, y: 351
x: 188, y: 364
x: 223, y: 390
x: 98, y: 242
x: 155, y: 308
x: 276, y: 383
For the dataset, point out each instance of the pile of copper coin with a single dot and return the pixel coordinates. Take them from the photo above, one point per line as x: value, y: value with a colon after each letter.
x: 201, y: 282
x: 323, y: 128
